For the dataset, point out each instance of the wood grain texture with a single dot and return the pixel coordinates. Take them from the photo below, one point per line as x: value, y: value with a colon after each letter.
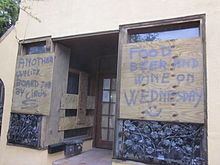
x: 163, y: 80
x: 90, y: 102
x: 60, y: 79
x: 33, y: 84
x: 67, y: 123
x: 82, y: 102
x: 69, y: 101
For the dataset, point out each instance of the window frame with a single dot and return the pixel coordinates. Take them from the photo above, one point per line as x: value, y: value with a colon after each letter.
x: 24, y: 44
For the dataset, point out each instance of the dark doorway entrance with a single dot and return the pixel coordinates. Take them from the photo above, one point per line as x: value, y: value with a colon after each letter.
x: 95, y: 56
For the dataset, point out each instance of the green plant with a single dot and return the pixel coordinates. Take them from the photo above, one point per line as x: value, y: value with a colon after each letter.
x: 9, y: 10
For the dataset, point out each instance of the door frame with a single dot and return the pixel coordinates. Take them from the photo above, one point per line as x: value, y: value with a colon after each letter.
x: 99, y: 77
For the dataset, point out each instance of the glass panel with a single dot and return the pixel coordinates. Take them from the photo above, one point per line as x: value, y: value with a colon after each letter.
x: 37, y: 49
x: 106, y: 84
x: 105, y: 121
x: 113, y: 84
x: 105, y: 96
x: 73, y: 83
x: 104, y: 134
x: 144, y: 37
x: 111, y: 122
x: 113, y: 96
x: 111, y: 134
x: 105, y: 108
x: 166, y: 35
x: 112, y: 109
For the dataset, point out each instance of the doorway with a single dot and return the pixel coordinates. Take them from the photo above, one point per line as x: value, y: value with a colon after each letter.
x: 106, y: 108
x: 95, y: 57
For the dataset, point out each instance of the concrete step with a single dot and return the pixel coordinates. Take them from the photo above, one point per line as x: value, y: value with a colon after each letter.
x: 94, y: 156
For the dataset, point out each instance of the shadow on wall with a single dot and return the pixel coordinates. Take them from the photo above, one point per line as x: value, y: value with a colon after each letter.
x: 2, y: 94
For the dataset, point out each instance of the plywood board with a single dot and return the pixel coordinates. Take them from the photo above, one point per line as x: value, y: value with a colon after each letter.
x: 163, y: 81
x: 90, y: 102
x: 67, y: 123
x: 33, y: 84
x: 82, y: 104
x: 60, y: 80
x: 69, y: 101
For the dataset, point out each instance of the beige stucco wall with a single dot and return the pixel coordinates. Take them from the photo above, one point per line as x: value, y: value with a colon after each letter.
x: 60, y: 18
x: 71, y: 17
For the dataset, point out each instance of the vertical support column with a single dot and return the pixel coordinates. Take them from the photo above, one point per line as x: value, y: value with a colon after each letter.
x: 123, y: 38
x: 82, y: 104
x: 60, y: 79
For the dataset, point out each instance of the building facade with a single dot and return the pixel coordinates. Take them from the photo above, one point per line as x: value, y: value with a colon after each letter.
x: 136, y: 77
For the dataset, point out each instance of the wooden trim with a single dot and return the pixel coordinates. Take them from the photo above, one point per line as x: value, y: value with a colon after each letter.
x: 85, y: 35
x: 33, y: 40
x: 123, y: 38
x: 66, y: 123
x: 72, y: 70
x: 203, y: 36
x: 24, y: 43
x: 96, y: 125
x: 163, y: 22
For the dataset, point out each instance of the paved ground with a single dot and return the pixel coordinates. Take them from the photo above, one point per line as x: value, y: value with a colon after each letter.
x: 94, y: 156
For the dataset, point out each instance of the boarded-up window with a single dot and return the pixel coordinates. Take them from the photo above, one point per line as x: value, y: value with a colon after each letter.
x: 163, y: 80
x: 162, y: 93
x: 33, y: 84
x: 31, y: 94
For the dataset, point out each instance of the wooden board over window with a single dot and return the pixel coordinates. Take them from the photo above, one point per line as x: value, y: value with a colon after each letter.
x: 163, y: 81
x: 33, y: 84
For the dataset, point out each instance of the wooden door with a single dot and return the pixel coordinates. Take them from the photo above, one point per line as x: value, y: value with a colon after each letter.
x: 106, y: 111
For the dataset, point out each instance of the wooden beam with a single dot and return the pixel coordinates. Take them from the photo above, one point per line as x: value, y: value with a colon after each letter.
x: 60, y: 79
x: 67, y: 123
x: 82, y: 102
x: 90, y: 102
x: 69, y: 101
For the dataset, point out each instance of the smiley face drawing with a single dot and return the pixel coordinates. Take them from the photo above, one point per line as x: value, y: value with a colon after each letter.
x: 153, y: 111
